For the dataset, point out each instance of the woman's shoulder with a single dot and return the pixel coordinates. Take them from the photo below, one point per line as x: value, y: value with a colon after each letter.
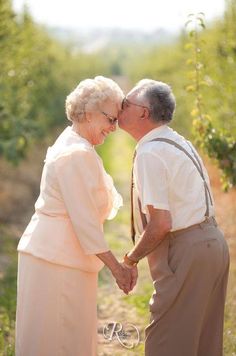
x: 79, y: 158
x: 77, y: 151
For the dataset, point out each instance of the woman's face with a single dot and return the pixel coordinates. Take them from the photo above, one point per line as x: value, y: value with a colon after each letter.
x: 101, y: 122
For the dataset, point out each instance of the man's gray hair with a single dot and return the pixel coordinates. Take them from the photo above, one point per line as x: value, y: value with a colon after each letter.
x: 160, y: 98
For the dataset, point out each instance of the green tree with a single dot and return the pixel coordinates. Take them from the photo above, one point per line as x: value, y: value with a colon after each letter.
x: 211, y: 132
x: 37, y: 72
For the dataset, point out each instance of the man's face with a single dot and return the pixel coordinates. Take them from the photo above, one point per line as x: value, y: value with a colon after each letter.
x: 131, y: 112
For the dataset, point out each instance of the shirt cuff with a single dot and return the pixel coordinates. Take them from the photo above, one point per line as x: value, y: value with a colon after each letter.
x: 161, y: 206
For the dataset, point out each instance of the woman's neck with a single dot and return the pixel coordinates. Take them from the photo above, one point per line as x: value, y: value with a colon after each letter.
x: 81, y: 130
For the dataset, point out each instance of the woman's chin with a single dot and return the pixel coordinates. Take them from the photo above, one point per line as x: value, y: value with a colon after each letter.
x: 100, y: 140
x: 103, y: 137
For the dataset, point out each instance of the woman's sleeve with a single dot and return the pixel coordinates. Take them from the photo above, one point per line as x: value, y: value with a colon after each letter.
x: 115, y: 199
x: 78, y: 175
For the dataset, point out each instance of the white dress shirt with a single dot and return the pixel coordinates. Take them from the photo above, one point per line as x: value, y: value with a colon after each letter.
x: 167, y: 179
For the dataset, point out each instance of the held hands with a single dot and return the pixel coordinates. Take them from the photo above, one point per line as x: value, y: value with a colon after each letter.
x: 126, y: 277
x: 124, y: 274
x: 134, y: 274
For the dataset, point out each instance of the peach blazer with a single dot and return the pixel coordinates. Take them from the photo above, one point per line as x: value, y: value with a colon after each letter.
x: 76, y: 196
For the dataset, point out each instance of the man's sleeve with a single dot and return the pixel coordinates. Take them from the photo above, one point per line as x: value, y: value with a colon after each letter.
x: 152, y: 181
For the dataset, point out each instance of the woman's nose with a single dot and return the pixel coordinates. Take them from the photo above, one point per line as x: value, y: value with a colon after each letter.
x: 113, y: 127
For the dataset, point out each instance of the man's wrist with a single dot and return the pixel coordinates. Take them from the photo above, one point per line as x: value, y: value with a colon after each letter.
x: 129, y: 261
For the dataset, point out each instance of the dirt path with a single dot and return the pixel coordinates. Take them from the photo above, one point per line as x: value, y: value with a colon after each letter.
x: 116, y: 314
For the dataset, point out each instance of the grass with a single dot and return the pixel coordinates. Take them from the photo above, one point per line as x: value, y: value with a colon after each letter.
x: 7, y: 294
x: 230, y: 312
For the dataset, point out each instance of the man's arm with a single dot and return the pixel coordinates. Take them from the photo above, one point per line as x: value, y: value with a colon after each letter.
x: 155, y: 231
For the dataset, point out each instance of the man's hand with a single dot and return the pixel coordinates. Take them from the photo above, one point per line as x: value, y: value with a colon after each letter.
x: 134, y: 274
x: 123, y: 278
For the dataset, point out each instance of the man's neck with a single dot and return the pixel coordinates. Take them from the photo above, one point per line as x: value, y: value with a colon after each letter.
x: 145, y: 130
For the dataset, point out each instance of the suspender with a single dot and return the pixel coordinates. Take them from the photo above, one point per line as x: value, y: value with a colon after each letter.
x: 197, y: 164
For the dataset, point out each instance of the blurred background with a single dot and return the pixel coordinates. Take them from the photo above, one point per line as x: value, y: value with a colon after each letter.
x: 46, y: 48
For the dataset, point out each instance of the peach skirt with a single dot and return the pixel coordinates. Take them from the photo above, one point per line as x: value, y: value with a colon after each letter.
x: 56, y: 309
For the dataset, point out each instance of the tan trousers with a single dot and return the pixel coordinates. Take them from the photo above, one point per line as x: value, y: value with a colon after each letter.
x: 187, y: 306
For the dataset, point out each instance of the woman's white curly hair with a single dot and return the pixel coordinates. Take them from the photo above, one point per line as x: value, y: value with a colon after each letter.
x: 89, y: 95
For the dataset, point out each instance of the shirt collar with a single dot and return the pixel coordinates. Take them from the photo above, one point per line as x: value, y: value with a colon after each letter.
x: 77, y: 136
x: 154, y: 133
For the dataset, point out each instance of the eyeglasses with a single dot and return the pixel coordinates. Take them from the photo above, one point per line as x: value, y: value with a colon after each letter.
x: 126, y: 103
x: 112, y: 120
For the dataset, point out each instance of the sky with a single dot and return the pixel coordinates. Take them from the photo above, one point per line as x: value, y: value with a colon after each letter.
x: 146, y: 15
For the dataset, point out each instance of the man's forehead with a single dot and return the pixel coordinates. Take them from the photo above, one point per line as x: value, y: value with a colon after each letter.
x: 133, y: 93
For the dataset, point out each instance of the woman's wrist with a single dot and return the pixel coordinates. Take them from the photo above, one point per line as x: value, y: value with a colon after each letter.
x: 116, y: 269
x: 110, y: 261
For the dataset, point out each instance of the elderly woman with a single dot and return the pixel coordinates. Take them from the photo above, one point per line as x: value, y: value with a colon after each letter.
x: 63, y: 247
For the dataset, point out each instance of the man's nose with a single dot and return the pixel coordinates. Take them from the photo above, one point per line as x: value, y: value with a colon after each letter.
x: 120, y: 114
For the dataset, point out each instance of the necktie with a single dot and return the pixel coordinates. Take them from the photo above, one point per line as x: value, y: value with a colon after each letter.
x: 142, y: 215
x: 132, y: 201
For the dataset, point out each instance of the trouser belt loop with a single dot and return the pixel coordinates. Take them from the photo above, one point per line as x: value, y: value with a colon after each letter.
x: 214, y: 221
x: 209, y: 220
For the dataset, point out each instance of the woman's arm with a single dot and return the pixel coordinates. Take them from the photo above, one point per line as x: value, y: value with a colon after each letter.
x: 122, y: 274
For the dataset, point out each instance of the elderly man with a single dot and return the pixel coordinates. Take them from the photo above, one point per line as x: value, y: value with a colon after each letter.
x: 173, y: 215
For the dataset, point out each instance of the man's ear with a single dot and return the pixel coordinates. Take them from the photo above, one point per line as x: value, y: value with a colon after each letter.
x: 145, y: 114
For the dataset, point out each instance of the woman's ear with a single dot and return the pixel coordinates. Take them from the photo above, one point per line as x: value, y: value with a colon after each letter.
x: 88, y: 116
